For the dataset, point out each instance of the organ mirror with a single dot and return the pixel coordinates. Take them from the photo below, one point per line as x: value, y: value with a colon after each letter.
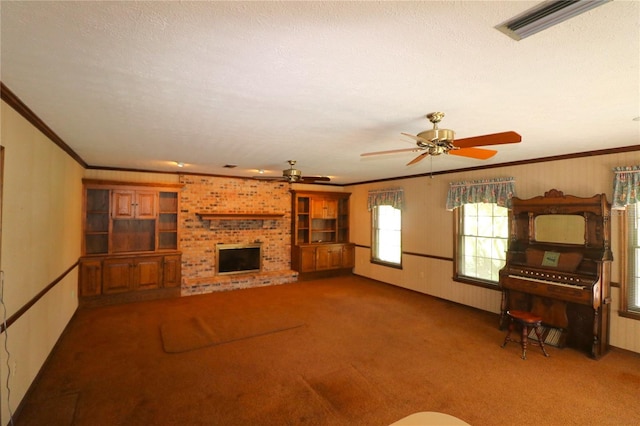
x: 559, y: 229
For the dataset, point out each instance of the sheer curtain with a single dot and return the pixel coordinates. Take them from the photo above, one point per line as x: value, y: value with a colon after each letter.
x: 498, y: 191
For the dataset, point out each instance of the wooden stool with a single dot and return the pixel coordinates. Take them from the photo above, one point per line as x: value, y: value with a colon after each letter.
x: 527, y: 321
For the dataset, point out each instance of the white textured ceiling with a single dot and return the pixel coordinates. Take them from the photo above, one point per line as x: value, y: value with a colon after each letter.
x: 139, y: 85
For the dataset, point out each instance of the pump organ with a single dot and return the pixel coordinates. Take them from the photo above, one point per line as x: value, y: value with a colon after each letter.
x: 558, y: 266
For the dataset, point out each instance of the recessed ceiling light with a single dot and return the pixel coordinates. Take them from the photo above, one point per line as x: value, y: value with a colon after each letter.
x: 179, y: 164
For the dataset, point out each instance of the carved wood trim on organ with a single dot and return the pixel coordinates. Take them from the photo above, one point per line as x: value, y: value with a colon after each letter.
x: 572, y: 294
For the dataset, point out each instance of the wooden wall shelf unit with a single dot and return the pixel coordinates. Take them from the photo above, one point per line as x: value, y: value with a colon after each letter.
x: 130, y: 240
x: 320, y: 234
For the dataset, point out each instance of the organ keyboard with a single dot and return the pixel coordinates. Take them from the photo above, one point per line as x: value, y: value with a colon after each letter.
x: 565, y: 282
x: 562, y: 286
x: 547, y: 281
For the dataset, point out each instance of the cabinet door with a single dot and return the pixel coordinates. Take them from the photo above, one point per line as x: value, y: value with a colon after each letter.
x: 117, y: 275
x: 343, y: 221
x: 317, y: 208
x: 96, y: 222
x: 331, y: 209
x: 171, y: 271
x: 147, y: 272
x: 348, y: 256
x: 90, y: 278
x: 145, y: 204
x: 328, y: 257
x: 307, y: 259
x: 123, y: 205
x: 167, y: 220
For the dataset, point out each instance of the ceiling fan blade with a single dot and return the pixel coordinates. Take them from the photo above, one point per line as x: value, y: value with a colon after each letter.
x: 492, y: 139
x: 418, y: 158
x: 393, y: 151
x: 477, y: 153
x: 315, y: 179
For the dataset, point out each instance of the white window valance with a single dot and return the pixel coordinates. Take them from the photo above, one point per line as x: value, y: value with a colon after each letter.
x: 386, y: 197
x: 499, y: 191
x: 626, y: 186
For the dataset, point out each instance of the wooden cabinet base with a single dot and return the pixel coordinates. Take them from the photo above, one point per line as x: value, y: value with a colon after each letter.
x: 129, y: 278
x: 134, y: 296
x: 313, y: 259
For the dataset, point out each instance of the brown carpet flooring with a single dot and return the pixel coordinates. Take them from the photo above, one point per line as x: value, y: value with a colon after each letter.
x: 342, y: 351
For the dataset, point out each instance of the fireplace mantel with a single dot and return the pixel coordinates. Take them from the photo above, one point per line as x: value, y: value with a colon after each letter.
x: 239, y: 216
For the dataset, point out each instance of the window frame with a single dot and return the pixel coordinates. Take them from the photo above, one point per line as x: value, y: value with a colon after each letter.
x: 624, y: 266
x: 458, y: 226
x: 374, y: 242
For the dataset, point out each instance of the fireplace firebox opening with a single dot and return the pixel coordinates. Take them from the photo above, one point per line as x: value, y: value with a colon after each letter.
x: 238, y: 258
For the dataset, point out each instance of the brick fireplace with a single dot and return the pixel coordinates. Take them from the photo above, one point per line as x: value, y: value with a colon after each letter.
x: 235, y: 207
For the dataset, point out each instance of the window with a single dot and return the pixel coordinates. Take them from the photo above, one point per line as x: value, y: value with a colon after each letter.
x: 630, y: 284
x: 387, y: 229
x: 626, y: 187
x: 482, y: 239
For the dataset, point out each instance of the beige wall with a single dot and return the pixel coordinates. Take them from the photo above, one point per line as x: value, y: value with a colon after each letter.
x: 40, y: 241
x: 428, y: 229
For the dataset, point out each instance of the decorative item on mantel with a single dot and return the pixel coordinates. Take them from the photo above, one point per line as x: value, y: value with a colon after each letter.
x: 213, y: 217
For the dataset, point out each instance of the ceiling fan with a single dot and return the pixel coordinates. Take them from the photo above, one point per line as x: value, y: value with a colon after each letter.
x: 293, y: 175
x: 441, y: 141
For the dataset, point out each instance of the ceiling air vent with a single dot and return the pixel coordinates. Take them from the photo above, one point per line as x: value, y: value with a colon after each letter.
x: 545, y: 15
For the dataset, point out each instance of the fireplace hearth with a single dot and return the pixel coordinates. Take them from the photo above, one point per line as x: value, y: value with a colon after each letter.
x: 238, y: 258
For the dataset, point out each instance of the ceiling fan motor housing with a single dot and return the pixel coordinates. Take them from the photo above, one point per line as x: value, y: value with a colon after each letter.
x: 435, y: 136
x: 292, y: 175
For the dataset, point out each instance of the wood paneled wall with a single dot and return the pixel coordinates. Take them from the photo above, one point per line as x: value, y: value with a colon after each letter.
x: 428, y: 229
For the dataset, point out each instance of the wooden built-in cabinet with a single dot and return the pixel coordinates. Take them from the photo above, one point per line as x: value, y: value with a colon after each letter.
x: 129, y: 239
x: 320, y: 233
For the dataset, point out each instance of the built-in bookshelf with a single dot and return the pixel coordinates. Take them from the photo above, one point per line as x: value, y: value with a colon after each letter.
x: 320, y: 233
x: 130, y: 238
